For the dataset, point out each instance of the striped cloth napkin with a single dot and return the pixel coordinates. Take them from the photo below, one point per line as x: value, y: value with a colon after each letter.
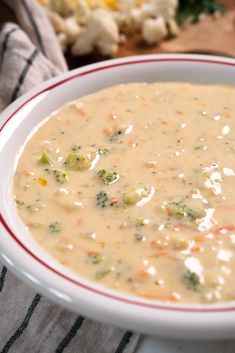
x: 29, y: 323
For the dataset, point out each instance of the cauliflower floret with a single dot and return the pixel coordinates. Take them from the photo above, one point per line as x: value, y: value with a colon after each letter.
x: 67, y: 29
x: 68, y: 199
x: 152, y: 9
x: 101, y: 24
x: 138, y: 15
x: 57, y: 21
x: 135, y: 13
x: 82, y: 12
x: 63, y: 7
x: 101, y: 32
x: 154, y: 30
x: 72, y: 29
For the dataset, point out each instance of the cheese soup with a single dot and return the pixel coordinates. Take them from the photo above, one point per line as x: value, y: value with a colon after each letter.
x: 134, y: 187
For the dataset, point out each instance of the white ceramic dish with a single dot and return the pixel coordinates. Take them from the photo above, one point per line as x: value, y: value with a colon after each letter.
x: 33, y: 265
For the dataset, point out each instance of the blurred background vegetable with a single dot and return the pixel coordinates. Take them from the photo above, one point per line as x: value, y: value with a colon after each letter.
x: 103, y: 27
x: 192, y: 9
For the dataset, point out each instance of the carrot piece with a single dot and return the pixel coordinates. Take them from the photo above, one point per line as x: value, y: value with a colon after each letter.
x: 227, y: 115
x: 158, y: 244
x: 108, y: 131
x: 196, y: 249
x: 131, y: 140
x: 199, y: 238
x: 69, y: 122
x: 81, y: 111
x: 63, y: 262
x: 162, y: 253
x: 79, y: 221
x: 91, y: 252
x: 27, y: 173
x: 169, y: 211
x: 171, y: 297
x: 179, y: 112
x: 227, y: 207
x: 141, y: 275
x: 114, y: 200
x: 228, y: 228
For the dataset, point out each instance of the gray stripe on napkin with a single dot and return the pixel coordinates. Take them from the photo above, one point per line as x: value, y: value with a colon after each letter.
x: 31, y: 18
x: 2, y: 277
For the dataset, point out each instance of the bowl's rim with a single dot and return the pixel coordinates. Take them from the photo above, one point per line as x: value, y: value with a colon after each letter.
x: 12, y: 111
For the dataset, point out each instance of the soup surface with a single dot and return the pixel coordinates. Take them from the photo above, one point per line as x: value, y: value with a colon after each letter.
x: 134, y: 187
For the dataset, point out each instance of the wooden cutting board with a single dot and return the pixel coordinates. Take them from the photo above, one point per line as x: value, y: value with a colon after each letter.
x: 214, y: 35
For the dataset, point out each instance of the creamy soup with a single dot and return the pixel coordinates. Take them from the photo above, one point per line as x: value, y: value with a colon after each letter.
x: 134, y: 187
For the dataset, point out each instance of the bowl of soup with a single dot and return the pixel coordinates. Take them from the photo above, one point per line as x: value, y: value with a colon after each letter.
x: 117, y: 193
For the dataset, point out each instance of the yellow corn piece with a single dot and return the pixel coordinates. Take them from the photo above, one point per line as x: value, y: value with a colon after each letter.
x: 74, y: 3
x: 42, y: 182
x: 111, y: 4
x: 42, y: 2
x: 139, y: 3
x: 91, y: 3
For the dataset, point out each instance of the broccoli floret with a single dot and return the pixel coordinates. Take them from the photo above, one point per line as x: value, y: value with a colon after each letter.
x: 102, y: 273
x: 115, y: 137
x: 79, y: 161
x: 45, y: 159
x: 102, y: 199
x: 181, y: 211
x: 60, y: 176
x: 135, y: 194
x: 96, y: 258
x: 106, y: 177
x: 192, y: 281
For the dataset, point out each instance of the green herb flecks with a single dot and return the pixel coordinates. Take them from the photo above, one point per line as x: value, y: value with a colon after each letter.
x: 19, y: 203
x: 115, y: 137
x: 96, y: 258
x: 200, y: 148
x: 76, y: 148
x: 60, y: 175
x: 139, y: 237
x: 55, y: 227
x: 141, y: 221
x: 32, y: 208
x: 100, y: 274
x: 192, y: 281
x: 192, y: 9
x: 194, y: 214
x: 103, y: 151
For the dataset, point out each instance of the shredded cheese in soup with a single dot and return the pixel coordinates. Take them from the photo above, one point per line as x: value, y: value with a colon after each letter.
x: 134, y: 187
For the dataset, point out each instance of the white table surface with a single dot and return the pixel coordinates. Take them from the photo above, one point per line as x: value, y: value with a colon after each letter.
x: 162, y: 345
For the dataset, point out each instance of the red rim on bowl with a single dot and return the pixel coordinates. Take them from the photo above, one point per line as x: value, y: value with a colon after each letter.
x: 76, y: 282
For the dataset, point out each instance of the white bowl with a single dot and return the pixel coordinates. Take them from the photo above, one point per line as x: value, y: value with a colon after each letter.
x: 32, y: 264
